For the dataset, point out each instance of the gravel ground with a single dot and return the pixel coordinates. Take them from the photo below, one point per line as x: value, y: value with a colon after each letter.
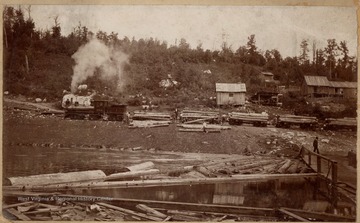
x: 27, y: 127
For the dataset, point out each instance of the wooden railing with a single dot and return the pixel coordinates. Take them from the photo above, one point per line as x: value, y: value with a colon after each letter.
x: 325, y: 167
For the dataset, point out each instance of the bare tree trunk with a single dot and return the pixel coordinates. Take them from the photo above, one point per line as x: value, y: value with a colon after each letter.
x: 6, y: 42
x: 27, y: 64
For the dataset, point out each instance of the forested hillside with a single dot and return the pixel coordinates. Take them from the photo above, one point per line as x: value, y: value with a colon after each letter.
x: 39, y: 63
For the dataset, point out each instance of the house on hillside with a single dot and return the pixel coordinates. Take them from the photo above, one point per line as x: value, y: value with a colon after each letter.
x: 267, y: 76
x: 315, y: 86
x: 267, y: 79
x: 230, y: 93
x: 343, y: 88
x: 320, y: 86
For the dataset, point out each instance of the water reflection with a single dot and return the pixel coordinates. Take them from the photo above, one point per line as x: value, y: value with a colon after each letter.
x: 265, y: 193
x: 23, y: 161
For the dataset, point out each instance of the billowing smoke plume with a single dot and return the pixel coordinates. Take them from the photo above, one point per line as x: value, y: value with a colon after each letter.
x: 95, y: 58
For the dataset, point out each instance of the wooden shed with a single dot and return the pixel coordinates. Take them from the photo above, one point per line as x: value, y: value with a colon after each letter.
x: 320, y: 86
x: 343, y: 88
x: 267, y: 76
x: 315, y: 86
x: 230, y: 93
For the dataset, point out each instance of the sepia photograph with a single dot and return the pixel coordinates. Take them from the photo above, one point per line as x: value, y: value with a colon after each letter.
x: 181, y: 113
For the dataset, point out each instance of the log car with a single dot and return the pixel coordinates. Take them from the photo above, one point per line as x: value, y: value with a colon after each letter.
x: 304, y: 122
x: 192, y: 116
x: 259, y: 120
x: 101, y: 109
x: 343, y: 123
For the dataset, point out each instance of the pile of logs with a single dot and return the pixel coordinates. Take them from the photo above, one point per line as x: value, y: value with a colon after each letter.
x: 257, y: 119
x: 246, y: 165
x: 302, y: 121
x: 142, y: 119
x: 194, y: 116
x: 340, y: 123
x: 83, y: 208
x: 66, y: 211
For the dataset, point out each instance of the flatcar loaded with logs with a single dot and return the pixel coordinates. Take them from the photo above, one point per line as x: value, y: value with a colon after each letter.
x: 304, y: 122
x: 256, y: 119
x: 100, y: 109
x: 340, y: 123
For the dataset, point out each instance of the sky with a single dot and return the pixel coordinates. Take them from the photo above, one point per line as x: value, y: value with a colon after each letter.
x: 275, y: 27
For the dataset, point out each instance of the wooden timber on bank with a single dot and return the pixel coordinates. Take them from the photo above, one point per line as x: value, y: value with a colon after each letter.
x: 197, y: 126
x: 154, y: 210
x: 148, y: 124
x: 200, y: 130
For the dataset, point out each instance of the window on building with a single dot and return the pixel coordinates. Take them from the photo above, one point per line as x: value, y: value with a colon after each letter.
x: 231, y: 94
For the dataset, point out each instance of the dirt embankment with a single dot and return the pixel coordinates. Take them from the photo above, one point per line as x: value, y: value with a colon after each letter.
x: 28, y: 127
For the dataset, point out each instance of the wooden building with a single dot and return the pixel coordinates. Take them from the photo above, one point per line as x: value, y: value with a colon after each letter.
x: 320, y: 86
x: 315, y: 86
x: 230, y: 93
x: 343, y: 89
x: 267, y: 76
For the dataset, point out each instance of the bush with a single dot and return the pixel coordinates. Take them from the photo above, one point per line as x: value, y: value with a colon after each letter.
x: 134, y: 102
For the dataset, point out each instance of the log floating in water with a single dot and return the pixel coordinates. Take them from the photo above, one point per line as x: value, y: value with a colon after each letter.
x: 55, y: 178
x: 284, y: 167
x: 165, y: 182
x: 253, y: 165
x: 141, y: 166
x: 137, y: 173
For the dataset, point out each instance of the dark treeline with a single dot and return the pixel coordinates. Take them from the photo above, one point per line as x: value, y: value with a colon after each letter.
x: 38, y: 62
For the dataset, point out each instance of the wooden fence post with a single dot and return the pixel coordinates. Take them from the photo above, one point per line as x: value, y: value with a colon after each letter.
x: 318, y: 164
x: 334, y: 183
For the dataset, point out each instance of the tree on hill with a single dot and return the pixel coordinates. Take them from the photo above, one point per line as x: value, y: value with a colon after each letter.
x: 39, y: 61
x: 304, y: 52
x: 331, y: 53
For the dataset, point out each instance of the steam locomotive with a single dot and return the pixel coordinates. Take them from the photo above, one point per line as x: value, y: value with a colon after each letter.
x: 94, y: 109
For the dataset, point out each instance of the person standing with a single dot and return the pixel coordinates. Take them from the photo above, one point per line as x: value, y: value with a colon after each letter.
x: 316, y: 145
x: 176, y: 114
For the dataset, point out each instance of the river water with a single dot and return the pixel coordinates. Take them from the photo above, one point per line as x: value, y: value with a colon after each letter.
x: 24, y: 161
